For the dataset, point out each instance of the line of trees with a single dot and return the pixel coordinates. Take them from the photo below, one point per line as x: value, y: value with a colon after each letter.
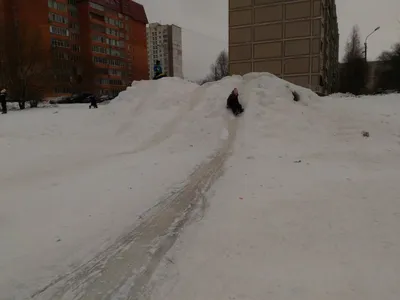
x: 355, y: 71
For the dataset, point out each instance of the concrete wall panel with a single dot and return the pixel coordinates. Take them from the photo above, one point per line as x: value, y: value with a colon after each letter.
x: 241, y: 52
x: 298, y: 29
x: 240, y: 35
x: 297, y: 47
x: 268, y: 32
x: 240, y: 17
x: 271, y: 66
x: 315, y: 66
x: 268, y: 14
x: 240, y: 68
x: 268, y: 50
x: 302, y: 80
x: 239, y: 3
x: 317, y: 8
x: 298, y: 10
x: 297, y: 65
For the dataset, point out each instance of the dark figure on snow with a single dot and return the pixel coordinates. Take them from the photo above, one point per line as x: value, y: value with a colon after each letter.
x: 158, y: 72
x: 233, y: 103
x: 3, y: 101
x: 93, y: 101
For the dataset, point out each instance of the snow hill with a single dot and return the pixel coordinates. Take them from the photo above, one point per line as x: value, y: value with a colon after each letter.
x: 75, y: 184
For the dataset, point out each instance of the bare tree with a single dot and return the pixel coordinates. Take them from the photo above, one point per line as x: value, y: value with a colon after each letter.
x: 219, y: 69
x: 25, y: 63
x: 354, y: 73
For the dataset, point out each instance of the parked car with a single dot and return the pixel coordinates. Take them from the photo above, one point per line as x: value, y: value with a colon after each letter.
x: 81, y: 98
x: 60, y: 100
x: 104, y: 98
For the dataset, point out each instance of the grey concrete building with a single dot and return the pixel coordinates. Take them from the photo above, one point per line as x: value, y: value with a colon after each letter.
x: 164, y: 43
x: 297, y: 40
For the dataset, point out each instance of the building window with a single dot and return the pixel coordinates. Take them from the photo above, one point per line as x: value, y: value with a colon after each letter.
x: 117, y: 53
x: 96, y: 6
x: 74, y: 26
x: 112, y: 62
x: 56, y: 5
x: 114, y: 22
x: 98, y: 38
x: 74, y: 36
x: 114, y: 72
x: 59, y: 43
x: 112, y: 32
x: 97, y: 27
x: 73, y: 14
x: 59, y: 31
x: 106, y: 81
x: 99, y: 49
x: 61, y: 55
x: 57, y: 18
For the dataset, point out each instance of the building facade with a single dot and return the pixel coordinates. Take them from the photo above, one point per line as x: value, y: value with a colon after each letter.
x: 94, y: 46
x: 295, y: 40
x: 164, y: 43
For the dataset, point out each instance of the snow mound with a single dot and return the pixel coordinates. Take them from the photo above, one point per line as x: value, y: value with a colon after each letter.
x: 87, y: 175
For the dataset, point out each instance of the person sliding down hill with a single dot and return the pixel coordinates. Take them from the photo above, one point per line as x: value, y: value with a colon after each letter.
x: 233, y: 103
x: 158, y: 73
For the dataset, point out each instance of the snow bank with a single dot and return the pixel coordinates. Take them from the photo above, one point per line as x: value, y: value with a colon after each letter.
x: 307, y: 209
x: 72, y: 179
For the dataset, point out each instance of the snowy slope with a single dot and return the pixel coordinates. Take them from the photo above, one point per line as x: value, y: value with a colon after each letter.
x: 296, y: 195
x: 73, y: 180
x: 308, y: 207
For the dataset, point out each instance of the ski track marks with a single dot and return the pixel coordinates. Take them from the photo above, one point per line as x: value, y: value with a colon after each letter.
x: 126, y: 267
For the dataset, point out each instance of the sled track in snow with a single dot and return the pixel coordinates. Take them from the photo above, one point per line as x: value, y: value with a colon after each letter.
x: 126, y: 267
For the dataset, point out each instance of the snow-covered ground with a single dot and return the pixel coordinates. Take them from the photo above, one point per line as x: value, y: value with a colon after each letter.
x: 288, y: 201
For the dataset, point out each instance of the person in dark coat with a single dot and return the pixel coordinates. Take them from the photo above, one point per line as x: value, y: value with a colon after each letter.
x: 3, y: 101
x: 93, y: 101
x: 233, y: 103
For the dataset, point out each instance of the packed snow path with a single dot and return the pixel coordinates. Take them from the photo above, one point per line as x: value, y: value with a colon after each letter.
x: 94, y: 203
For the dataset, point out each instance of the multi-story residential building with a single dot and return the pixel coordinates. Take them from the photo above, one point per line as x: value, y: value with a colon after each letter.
x: 295, y: 40
x: 164, y: 43
x: 115, y: 35
x: 93, y: 45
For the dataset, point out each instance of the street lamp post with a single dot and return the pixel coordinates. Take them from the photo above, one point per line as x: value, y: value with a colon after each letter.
x: 365, y: 43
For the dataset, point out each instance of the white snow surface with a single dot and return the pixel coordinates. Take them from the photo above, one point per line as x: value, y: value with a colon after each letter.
x: 307, y: 208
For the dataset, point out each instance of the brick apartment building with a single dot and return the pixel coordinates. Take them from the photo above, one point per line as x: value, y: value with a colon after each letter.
x: 98, y: 44
x: 297, y: 40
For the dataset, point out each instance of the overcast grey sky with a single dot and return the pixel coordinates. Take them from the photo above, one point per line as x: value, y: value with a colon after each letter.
x: 205, y: 26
